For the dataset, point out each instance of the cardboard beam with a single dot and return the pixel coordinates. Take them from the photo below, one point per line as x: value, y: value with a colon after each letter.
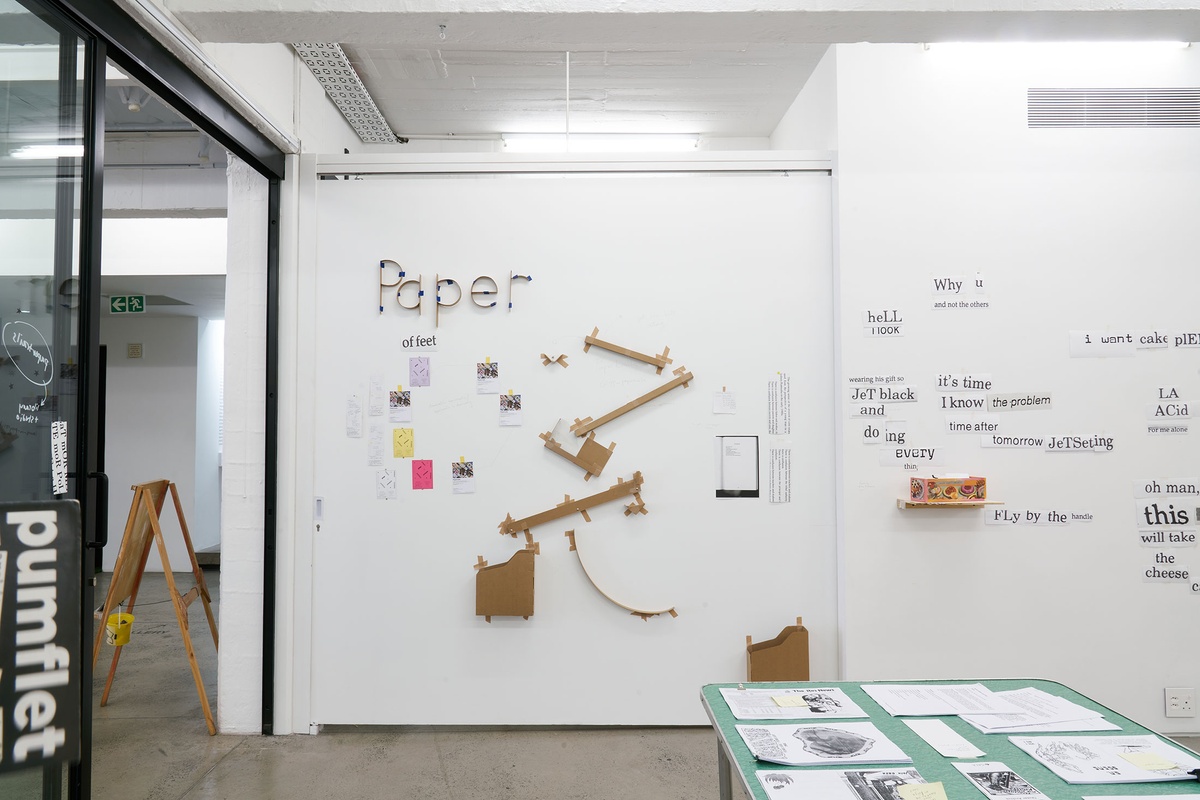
x: 592, y: 456
x: 621, y: 488
x: 658, y: 362
x: 583, y: 427
x: 645, y: 614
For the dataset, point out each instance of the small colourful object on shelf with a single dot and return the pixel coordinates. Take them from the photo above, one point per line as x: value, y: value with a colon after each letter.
x: 969, y: 489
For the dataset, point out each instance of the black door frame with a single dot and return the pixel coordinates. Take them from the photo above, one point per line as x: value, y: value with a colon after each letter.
x: 110, y: 33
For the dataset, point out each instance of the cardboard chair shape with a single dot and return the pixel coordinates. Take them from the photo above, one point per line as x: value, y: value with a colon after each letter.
x: 784, y: 658
x: 505, y: 590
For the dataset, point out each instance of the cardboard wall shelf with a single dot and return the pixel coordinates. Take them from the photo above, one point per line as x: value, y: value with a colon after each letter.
x: 902, y: 503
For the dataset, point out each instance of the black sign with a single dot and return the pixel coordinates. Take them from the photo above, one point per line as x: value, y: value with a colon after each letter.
x: 39, y: 633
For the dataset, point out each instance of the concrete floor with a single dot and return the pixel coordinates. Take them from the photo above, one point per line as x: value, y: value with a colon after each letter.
x: 150, y: 743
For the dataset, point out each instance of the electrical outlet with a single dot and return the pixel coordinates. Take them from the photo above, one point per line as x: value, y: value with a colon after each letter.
x: 1180, y: 702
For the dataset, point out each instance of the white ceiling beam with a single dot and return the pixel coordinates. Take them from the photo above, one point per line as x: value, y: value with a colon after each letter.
x: 616, y: 24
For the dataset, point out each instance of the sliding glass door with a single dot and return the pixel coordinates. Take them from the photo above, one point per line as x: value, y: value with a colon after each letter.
x: 43, y: 138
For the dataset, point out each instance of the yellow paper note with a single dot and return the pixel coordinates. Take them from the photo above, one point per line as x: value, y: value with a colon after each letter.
x: 1151, y: 761
x: 402, y: 442
x: 790, y: 701
x: 922, y: 791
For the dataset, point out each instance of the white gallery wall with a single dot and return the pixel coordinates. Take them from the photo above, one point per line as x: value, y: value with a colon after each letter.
x: 1089, y: 231
x: 733, y: 273
x: 937, y: 176
x: 150, y: 426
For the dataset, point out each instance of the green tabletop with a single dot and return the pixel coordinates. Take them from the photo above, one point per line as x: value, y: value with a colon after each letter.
x: 931, y: 764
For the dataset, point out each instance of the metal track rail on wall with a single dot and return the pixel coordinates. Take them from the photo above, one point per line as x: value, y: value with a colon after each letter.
x: 442, y: 164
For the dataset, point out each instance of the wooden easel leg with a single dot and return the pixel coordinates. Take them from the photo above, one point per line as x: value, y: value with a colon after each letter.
x: 112, y: 671
x: 181, y: 617
x: 117, y: 567
x: 196, y: 571
x: 137, y: 584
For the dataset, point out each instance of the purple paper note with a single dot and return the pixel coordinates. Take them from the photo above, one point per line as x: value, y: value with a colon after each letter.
x: 418, y: 371
x: 422, y: 473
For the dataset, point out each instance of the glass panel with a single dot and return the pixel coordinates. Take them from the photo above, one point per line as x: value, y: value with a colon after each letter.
x: 41, y: 148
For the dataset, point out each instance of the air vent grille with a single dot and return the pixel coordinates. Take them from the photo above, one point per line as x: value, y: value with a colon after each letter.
x: 1114, y: 108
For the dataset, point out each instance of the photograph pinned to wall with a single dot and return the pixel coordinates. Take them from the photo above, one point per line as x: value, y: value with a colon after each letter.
x: 354, y: 416
x: 399, y: 405
x: 403, y: 444
x: 510, y: 409
x: 487, y: 377
x: 462, y: 477
x: 736, y: 466
x: 418, y: 371
x: 375, y: 445
x: 376, y: 397
x: 385, y: 484
x: 996, y: 780
x: 422, y: 473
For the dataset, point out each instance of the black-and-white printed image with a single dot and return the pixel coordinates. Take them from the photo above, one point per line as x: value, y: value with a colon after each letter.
x: 882, y: 784
x: 833, y: 742
x: 1005, y: 783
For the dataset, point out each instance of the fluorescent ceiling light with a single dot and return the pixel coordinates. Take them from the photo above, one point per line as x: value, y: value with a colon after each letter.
x: 1098, y: 47
x: 600, y: 142
x: 46, y: 151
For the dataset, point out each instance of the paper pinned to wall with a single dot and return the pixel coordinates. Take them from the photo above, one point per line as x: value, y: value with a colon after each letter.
x: 375, y: 445
x: 354, y: 416
x: 1102, y: 344
x: 376, y: 397
x: 724, y: 403
x: 736, y: 466
x: 510, y: 410
x: 418, y: 371
x: 422, y: 474
x: 385, y: 484
x: 462, y: 477
x: 399, y: 406
x: 487, y: 377
x: 779, y: 405
x: 402, y: 443
x: 779, y: 475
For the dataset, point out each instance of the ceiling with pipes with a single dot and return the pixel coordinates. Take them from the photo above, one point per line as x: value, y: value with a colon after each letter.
x: 714, y: 68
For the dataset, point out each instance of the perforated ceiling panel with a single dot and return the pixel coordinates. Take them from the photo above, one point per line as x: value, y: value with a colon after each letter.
x: 328, y: 63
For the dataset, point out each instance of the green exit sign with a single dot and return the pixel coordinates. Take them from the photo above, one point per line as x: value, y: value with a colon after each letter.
x: 127, y: 304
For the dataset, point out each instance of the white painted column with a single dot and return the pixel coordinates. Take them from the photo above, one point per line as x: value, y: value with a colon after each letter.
x: 239, y: 663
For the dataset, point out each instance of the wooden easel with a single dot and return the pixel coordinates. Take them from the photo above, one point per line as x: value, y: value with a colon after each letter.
x: 141, y: 529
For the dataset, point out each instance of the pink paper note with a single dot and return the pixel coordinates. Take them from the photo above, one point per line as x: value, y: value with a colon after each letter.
x: 422, y: 473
